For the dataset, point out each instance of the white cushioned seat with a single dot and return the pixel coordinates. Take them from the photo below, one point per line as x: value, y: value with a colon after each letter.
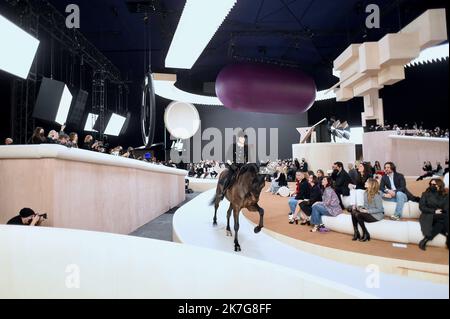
x: 407, y: 232
x: 410, y: 210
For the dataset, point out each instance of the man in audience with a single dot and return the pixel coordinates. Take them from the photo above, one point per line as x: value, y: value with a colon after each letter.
x: 9, y: 141
x: 26, y: 217
x: 352, y: 172
x: 393, y: 185
x: 63, y: 139
x: 341, y: 180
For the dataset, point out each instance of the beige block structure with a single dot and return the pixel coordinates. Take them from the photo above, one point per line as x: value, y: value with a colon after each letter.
x: 366, y: 68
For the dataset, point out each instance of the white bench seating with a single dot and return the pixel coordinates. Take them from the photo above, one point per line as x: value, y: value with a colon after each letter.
x: 407, y: 232
x: 410, y: 210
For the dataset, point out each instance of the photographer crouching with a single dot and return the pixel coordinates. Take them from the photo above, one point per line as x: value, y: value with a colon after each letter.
x: 27, y: 217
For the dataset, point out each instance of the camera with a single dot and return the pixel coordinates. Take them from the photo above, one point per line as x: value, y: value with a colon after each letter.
x: 44, y: 216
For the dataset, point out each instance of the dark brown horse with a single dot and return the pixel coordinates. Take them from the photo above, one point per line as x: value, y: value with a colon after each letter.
x: 242, y: 192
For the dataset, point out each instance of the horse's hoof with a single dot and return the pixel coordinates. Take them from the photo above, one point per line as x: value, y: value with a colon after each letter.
x: 229, y: 233
x: 237, y: 248
x: 257, y: 229
x: 214, y: 223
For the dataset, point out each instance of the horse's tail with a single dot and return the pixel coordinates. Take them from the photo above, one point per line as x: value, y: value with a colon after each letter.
x: 213, y: 200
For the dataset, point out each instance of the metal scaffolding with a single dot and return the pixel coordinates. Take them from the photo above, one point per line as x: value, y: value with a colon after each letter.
x: 37, y: 17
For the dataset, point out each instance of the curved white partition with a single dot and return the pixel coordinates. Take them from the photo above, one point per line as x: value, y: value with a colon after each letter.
x: 192, y: 224
x: 80, y: 155
x: 78, y: 264
x: 407, y: 232
x: 81, y: 189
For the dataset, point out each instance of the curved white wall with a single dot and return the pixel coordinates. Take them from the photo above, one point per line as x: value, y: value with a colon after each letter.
x: 192, y: 225
x: 47, y: 263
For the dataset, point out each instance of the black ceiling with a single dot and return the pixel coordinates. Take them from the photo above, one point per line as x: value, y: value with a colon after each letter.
x: 306, y: 34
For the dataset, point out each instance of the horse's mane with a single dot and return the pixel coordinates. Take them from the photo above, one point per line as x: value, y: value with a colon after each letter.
x: 251, y: 168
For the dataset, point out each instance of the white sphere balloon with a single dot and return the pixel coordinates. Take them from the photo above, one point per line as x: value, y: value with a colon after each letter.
x: 182, y: 120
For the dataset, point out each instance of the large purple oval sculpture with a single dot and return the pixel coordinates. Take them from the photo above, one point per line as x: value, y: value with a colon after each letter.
x: 265, y: 88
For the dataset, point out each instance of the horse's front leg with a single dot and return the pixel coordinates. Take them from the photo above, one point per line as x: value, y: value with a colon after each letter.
x: 236, y: 210
x: 261, y: 219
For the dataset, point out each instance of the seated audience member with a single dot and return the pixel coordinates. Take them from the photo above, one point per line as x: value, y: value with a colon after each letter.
x: 73, y: 140
x: 393, y: 185
x: 377, y: 167
x: 434, y: 207
x: 129, y: 153
x: 439, y: 171
x: 304, y: 166
x: 116, y: 150
x: 305, y: 206
x: 26, y: 217
x: 364, y: 172
x: 352, y: 172
x: 301, y: 192
x: 428, y: 169
x: 63, y: 139
x: 446, y: 169
x: 372, y: 210
x: 89, y: 143
x: 38, y: 136
x: 329, y: 206
x: 273, y: 182
x: 52, y: 137
x: 320, y: 175
x: 297, y: 165
x: 341, y: 180
x: 215, y: 169
x: 282, y: 180
x: 9, y: 141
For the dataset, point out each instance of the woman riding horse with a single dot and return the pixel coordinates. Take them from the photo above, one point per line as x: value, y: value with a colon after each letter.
x: 242, y: 187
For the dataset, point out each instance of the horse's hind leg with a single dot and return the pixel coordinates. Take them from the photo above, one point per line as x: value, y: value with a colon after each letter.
x: 216, y: 206
x: 229, y: 233
x: 236, y: 211
x: 261, y: 220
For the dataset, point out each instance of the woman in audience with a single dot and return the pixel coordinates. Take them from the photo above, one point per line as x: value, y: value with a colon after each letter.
x: 305, y: 206
x: 38, y: 136
x: 364, y: 173
x: 377, y: 167
x: 301, y: 193
x: 282, y: 180
x: 320, y: 175
x: 372, y: 210
x: 73, y: 140
x: 273, y: 188
x: 434, y: 207
x: 329, y: 206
